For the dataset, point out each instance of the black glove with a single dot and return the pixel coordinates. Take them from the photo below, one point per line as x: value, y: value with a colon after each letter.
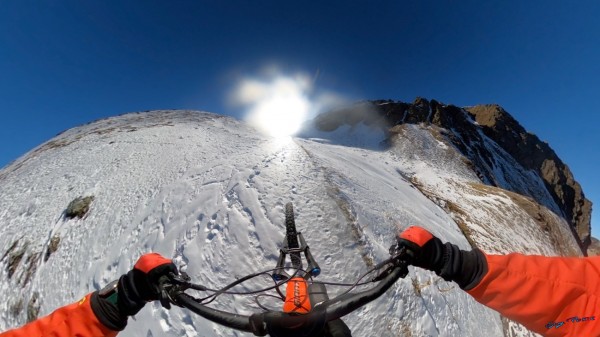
x: 422, y: 248
x: 140, y: 285
x: 446, y: 260
x: 133, y: 290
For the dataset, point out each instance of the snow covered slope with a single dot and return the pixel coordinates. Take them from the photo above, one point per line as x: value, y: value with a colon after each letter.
x: 209, y: 191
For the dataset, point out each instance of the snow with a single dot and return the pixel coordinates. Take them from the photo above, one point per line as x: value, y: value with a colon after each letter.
x: 208, y: 191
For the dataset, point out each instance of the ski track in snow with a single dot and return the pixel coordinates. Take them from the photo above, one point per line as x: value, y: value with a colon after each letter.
x: 209, y: 192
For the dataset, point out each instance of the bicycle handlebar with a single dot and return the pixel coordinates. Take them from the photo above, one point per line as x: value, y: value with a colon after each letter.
x: 234, y: 321
x: 280, y: 323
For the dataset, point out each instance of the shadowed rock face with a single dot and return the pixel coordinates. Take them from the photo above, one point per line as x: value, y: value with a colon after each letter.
x: 533, y: 154
x: 466, y: 129
x: 594, y: 248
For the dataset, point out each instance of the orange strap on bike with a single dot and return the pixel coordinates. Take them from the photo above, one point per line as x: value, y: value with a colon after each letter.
x: 296, y: 297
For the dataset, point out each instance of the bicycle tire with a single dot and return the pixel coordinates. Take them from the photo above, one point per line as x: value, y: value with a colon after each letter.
x: 292, y: 235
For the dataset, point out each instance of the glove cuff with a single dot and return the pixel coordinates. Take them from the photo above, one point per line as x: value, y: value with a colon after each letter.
x: 466, y: 268
x: 130, y: 300
x: 432, y: 255
x: 107, y: 313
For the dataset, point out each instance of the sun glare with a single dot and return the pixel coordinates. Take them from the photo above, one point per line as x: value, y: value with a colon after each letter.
x: 277, y: 106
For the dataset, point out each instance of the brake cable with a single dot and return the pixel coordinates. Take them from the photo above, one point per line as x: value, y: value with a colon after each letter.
x: 184, y: 282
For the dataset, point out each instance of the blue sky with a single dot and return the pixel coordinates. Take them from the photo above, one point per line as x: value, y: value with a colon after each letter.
x: 65, y: 63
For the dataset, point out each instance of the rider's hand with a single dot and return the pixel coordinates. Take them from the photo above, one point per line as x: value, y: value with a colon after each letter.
x: 140, y: 285
x: 133, y: 290
x: 423, y: 249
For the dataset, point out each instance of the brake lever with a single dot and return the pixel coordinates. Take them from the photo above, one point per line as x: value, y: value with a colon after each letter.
x: 182, y: 278
x: 382, y: 274
x: 397, y: 251
x: 170, y: 286
x: 399, y: 259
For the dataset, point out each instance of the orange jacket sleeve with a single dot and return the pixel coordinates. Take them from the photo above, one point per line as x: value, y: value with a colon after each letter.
x: 553, y: 296
x: 75, y: 319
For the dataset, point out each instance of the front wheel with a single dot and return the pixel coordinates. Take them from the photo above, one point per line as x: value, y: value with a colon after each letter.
x: 292, y: 235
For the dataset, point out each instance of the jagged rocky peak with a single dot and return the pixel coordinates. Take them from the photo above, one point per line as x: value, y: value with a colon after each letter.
x: 493, y: 115
x: 537, y: 155
x: 483, y: 133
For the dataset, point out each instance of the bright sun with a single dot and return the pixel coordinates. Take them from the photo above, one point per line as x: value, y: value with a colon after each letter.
x: 278, y: 106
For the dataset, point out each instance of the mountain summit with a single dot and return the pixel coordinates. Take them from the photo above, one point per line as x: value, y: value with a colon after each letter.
x: 209, y: 191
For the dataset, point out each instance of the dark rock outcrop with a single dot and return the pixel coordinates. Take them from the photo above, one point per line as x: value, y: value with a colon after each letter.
x: 533, y: 154
x: 594, y: 249
x: 79, y: 207
x: 470, y: 131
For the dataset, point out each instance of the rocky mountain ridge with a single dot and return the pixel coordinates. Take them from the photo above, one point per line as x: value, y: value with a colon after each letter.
x: 476, y: 132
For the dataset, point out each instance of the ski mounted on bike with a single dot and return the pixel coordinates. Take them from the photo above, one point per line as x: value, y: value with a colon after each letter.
x: 307, y: 308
